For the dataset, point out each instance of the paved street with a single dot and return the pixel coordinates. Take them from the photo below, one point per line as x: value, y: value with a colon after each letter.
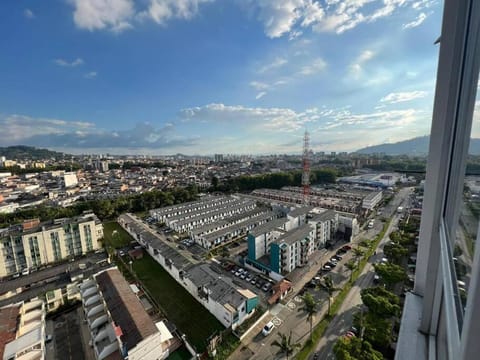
x: 286, y: 317
x: 353, y: 302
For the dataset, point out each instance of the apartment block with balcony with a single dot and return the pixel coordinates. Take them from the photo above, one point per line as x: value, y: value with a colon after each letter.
x: 118, y: 323
x: 34, y: 243
x: 326, y: 226
x: 279, y: 246
x: 22, y: 331
x: 292, y: 249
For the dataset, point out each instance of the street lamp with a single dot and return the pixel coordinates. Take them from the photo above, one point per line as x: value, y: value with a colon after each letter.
x: 131, y: 262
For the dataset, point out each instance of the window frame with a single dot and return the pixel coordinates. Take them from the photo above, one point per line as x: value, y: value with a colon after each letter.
x: 455, y: 97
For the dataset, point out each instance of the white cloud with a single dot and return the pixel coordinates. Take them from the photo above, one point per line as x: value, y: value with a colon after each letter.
x: 17, y: 127
x: 418, y: 21
x: 394, y: 98
x: 316, y: 66
x: 257, y: 85
x: 66, y: 63
x: 28, y: 14
x: 90, y: 75
x: 287, y: 17
x: 161, y: 11
x: 356, y: 67
x: 274, y: 119
x: 114, y: 15
x: 260, y: 95
x: 276, y: 63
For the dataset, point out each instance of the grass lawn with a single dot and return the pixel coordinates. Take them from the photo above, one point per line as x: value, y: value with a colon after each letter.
x: 180, y: 354
x: 118, y: 240
x: 181, y: 308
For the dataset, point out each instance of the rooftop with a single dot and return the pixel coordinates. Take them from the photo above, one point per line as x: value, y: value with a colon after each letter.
x: 8, y: 324
x: 295, y: 235
x: 125, y: 308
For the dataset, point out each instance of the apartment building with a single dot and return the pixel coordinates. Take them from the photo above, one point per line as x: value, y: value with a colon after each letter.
x: 372, y: 200
x: 119, y: 325
x: 326, y: 226
x: 228, y: 302
x: 22, y: 331
x: 279, y: 246
x: 292, y: 249
x: 34, y: 243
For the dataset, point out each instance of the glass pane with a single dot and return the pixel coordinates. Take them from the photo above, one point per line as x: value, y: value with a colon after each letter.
x: 466, y: 233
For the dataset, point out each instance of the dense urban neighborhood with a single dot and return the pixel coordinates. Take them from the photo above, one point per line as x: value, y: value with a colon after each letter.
x: 205, y: 265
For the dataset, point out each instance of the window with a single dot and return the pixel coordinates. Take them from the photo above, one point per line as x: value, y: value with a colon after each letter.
x: 449, y: 318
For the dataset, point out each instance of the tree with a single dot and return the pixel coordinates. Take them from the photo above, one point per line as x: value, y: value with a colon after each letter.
x: 355, y: 349
x: 285, y: 345
x: 391, y: 274
x: 215, y: 182
x: 328, y: 287
x: 357, y: 254
x: 380, y: 302
x: 351, y: 266
x: 310, y: 308
x: 395, y: 252
x: 375, y: 330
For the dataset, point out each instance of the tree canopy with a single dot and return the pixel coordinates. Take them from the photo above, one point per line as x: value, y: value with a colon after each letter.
x: 355, y: 349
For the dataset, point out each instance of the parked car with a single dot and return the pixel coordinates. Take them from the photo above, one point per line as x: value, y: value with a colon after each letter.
x: 48, y: 338
x: 376, y: 279
x: 333, y: 260
x: 267, y: 287
x: 243, y: 275
x: 331, y: 264
x: 259, y: 284
x: 267, y: 329
x: 253, y: 281
x: 347, y: 247
x: 25, y: 271
x: 337, y: 257
x: 249, y: 277
x: 326, y: 268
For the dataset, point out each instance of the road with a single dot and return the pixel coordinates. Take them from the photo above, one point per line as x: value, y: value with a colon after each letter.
x: 353, y: 302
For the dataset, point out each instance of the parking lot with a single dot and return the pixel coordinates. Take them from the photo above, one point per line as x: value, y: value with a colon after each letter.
x: 251, y: 280
x: 67, y: 337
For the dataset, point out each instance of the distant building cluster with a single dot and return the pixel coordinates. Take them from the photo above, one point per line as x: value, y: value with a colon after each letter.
x: 214, y: 220
x: 34, y: 243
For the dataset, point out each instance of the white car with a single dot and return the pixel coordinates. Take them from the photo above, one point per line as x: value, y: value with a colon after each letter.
x: 267, y: 329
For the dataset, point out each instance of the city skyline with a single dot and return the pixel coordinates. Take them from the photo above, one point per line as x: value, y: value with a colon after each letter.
x: 204, y: 77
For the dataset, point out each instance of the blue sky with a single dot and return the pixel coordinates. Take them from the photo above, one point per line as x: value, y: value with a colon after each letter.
x: 216, y: 76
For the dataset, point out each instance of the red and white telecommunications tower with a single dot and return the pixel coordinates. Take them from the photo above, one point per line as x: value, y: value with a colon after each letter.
x: 306, y: 169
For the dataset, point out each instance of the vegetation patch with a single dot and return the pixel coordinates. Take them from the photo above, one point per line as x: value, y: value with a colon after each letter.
x: 181, y: 308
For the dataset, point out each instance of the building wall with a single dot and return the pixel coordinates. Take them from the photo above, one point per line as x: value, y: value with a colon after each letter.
x: 37, y: 248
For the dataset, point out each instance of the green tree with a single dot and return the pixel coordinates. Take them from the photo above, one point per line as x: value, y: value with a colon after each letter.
x: 285, y: 345
x: 375, y: 330
x: 327, y: 286
x: 351, y: 265
x: 215, y: 182
x: 380, y: 302
x: 391, y: 274
x: 310, y: 308
x: 355, y: 349
x: 395, y: 252
x: 357, y: 254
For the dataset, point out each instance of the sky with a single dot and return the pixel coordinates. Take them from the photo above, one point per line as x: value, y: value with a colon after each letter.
x: 216, y: 76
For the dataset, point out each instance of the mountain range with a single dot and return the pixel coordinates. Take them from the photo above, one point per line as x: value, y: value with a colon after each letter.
x: 416, y: 146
